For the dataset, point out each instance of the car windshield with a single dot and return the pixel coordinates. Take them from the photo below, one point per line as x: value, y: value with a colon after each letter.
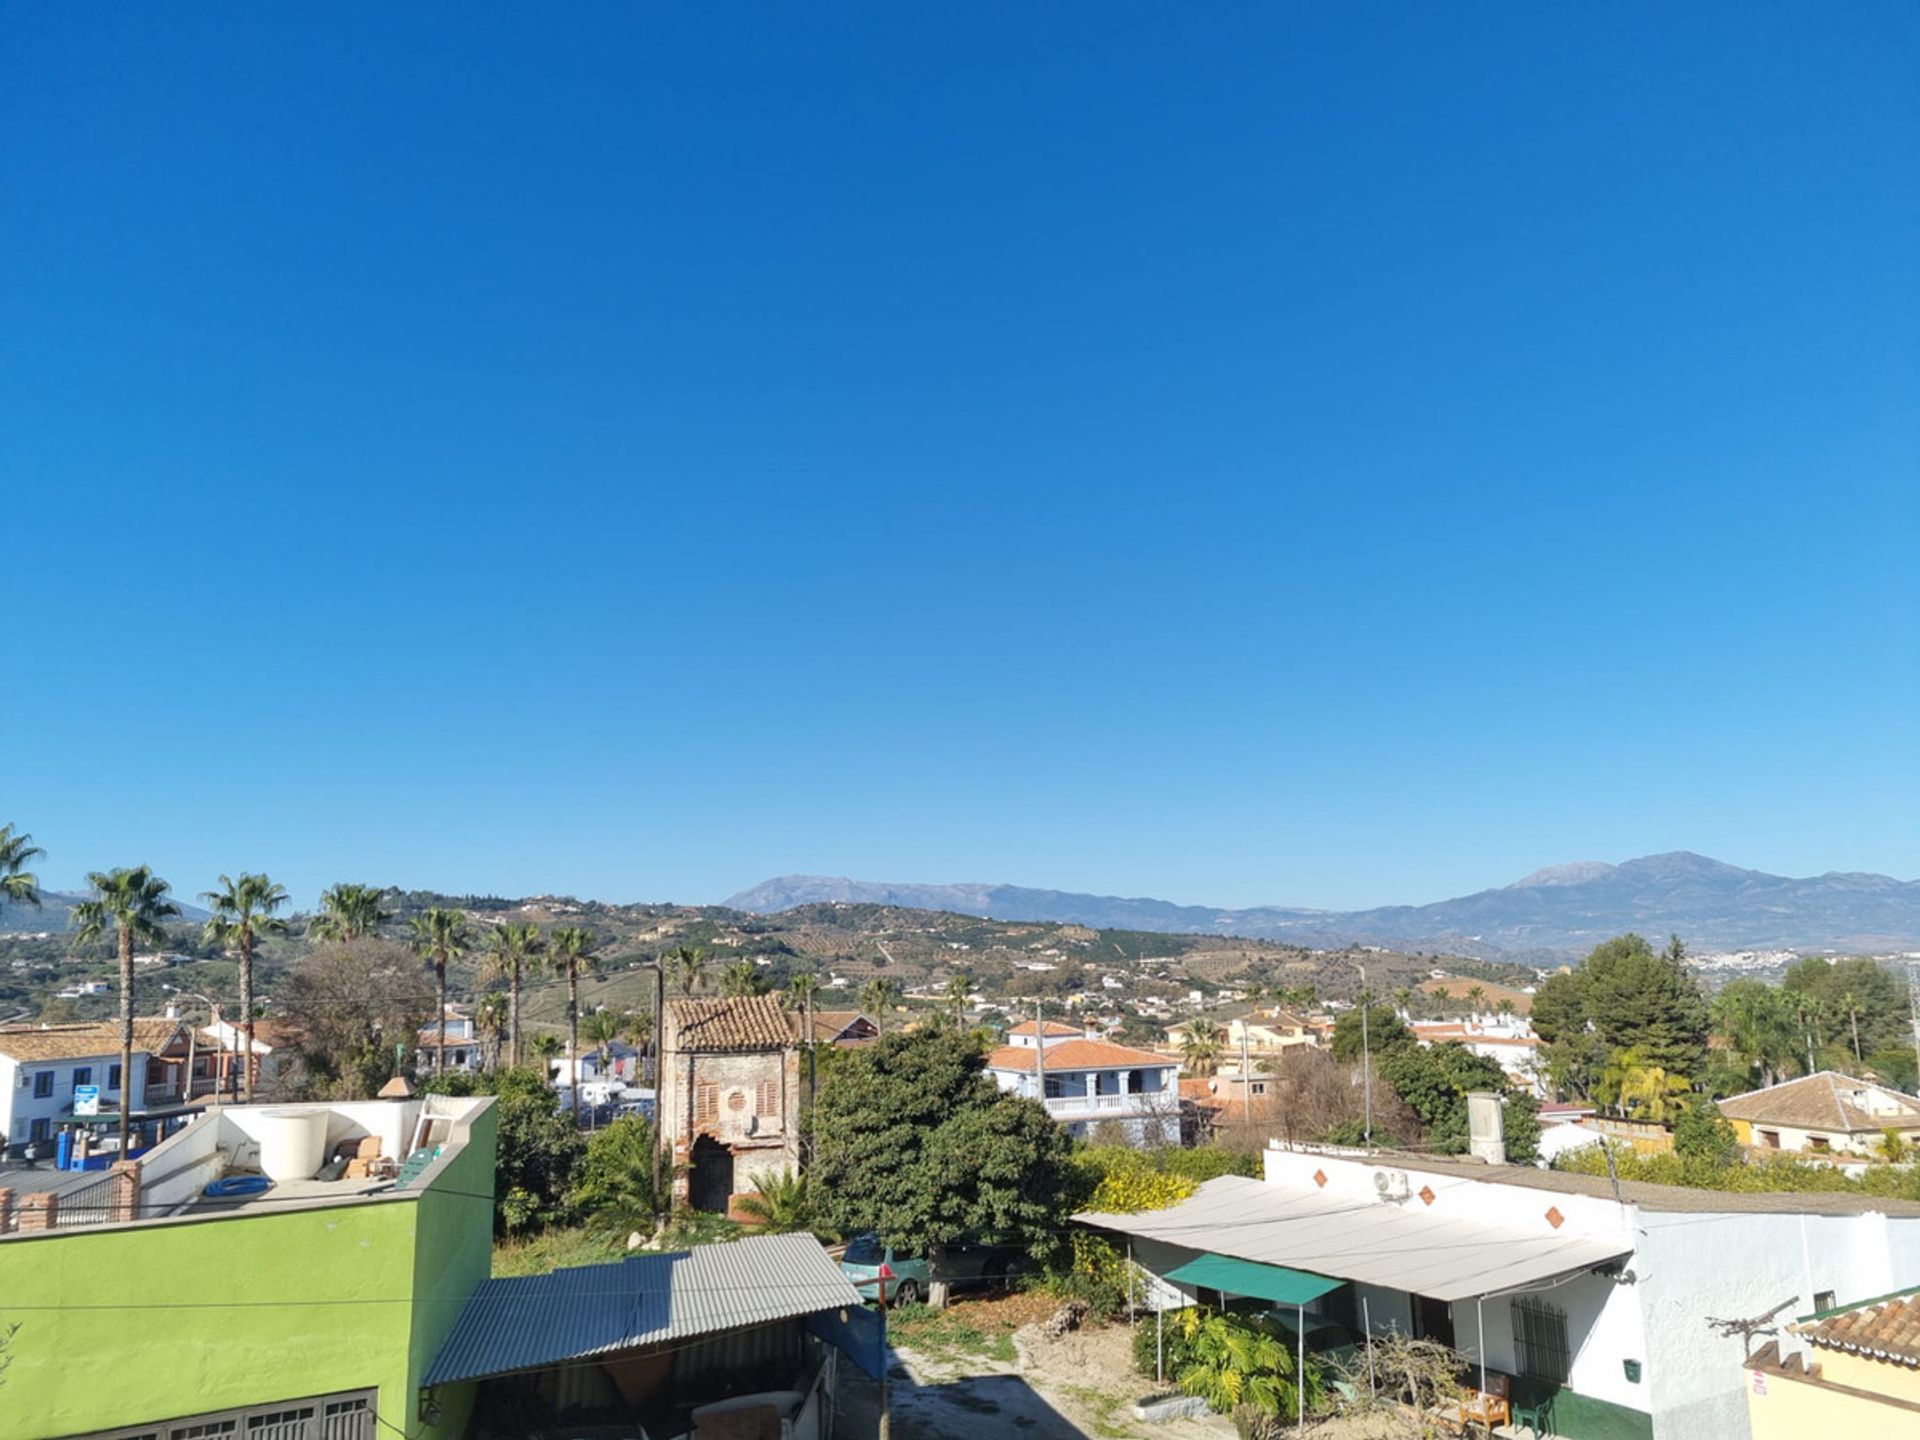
x: 864, y: 1250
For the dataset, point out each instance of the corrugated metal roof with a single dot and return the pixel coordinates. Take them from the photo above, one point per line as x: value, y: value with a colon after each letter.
x: 1403, y: 1247
x: 524, y: 1322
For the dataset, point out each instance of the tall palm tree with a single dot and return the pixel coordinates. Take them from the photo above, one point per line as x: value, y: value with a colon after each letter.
x: 878, y: 997
x: 1849, y: 1003
x: 1475, y: 994
x: 1200, y: 1046
x: 802, y: 986
x: 570, y: 949
x: 242, y: 913
x: 511, y: 950
x: 18, y: 885
x: 490, y: 1023
x: 740, y: 979
x: 134, y: 901
x: 546, y: 1047
x: 959, y: 988
x: 686, y: 967
x: 349, y: 912
x: 602, y: 1028
x: 439, y: 936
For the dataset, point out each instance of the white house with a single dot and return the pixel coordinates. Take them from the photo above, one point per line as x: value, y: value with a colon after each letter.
x: 1089, y: 1082
x: 43, y: 1069
x: 1508, y: 1041
x: 464, y: 1049
x: 1594, y: 1310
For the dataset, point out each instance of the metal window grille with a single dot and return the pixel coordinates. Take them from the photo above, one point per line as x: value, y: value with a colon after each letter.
x: 1540, y: 1338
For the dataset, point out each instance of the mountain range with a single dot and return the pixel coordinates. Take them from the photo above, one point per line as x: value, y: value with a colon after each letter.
x: 55, y: 913
x: 1560, y: 911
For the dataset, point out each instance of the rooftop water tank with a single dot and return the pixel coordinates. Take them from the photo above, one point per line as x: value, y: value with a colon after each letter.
x: 292, y: 1143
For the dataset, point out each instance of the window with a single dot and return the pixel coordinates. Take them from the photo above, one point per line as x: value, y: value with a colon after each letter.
x: 1823, y: 1300
x: 41, y: 1129
x: 1259, y: 1087
x: 706, y: 1104
x: 43, y: 1084
x: 82, y: 1075
x: 1819, y: 1144
x: 1056, y: 1087
x: 280, y: 1424
x: 203, y: 1430
x: 1540, y: 1340
x: 1770, y: 1139
x: 767, y: 1102
x: 113, y: 1077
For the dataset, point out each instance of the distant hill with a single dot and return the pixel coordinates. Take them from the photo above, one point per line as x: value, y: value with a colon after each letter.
x: 1562, y: 910
x: 55, y: 913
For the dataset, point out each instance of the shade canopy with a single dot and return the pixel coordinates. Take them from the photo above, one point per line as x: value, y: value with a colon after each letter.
x: 1249, y: 1277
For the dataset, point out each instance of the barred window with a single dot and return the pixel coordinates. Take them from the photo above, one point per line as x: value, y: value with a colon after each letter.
x: 1540, y: 1340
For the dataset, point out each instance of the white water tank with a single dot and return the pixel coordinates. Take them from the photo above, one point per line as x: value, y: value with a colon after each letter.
x: 292, y: 1143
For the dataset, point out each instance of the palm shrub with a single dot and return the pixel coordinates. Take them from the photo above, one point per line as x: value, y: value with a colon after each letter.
x: 615, y: 1191
x: 1235, y: 1360
x: 779, y: 1203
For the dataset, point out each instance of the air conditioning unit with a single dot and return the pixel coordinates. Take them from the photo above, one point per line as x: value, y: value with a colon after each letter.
x: 1392, y: 1184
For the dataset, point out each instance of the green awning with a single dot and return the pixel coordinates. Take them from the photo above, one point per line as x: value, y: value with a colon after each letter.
x: 1250, y: 1277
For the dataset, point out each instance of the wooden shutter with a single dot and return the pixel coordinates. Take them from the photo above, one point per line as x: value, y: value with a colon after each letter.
x: 706, y: 1104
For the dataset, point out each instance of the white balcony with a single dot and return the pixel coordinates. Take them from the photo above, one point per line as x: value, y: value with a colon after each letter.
x: 1146, y: 1102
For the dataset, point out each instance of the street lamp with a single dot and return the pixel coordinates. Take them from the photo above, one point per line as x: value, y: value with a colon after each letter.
x: 1366, y: 1049
x: 213, y: 1009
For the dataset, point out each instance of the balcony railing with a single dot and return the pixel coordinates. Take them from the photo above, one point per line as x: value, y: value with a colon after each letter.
x: 1136, y: 1102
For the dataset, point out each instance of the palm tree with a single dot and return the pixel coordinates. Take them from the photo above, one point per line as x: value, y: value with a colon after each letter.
x: 959, y: 990
x: 490, y: 1015
x: 349, y: 912
x: 1504, y: 1008
x: 1200, y: 1046
x: 602, y: 1028
x: 570, y: 949
x: 134, y: 901
x: 1475, y: 994
x: 439, y: 936
x: 18, y: 885
x: 779, y: 1203
x: 510, y: 950
x: 243, y: 912
x: 740, y: 979
x: 547, y: 1047
x: 877, y: 997
x: 686, y: 967
x: 1850, y: 1003
x: 802, y: 986
x: 1757, y: 1023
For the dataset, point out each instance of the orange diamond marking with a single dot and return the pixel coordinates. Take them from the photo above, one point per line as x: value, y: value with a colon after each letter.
x: 1426, y: 1194
x: 1320, y: 1178
x: 1555, y: 1218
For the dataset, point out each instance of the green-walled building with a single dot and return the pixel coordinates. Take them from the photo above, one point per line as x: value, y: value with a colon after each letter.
x: 305, y: 1305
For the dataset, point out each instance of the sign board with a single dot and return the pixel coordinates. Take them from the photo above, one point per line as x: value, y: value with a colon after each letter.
x: 86, y: 1099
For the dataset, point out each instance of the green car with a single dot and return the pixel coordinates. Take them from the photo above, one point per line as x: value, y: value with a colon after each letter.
x: 867, y: 1264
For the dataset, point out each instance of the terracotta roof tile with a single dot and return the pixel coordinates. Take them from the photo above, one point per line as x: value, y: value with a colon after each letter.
x: 1075, y: 1055
x: 831, y: 1024
x: 752, y: 1022
x: 1882, y: 1330
x: 77, y: 1042
x: 1826, y: 1101
x: 1054, y: 1027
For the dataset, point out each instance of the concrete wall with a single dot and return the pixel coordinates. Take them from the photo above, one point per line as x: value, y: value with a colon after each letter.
x: 1728, y: 1266
x: 1885, y: 1399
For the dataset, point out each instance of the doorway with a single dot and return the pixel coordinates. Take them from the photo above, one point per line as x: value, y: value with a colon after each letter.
x: 710, y: 1181
x: 1433, y: 1320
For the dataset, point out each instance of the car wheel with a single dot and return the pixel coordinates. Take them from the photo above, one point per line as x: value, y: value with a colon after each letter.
x: 905, y: 1293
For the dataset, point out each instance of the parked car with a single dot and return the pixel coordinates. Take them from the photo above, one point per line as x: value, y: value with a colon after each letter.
x: 866, y: 1263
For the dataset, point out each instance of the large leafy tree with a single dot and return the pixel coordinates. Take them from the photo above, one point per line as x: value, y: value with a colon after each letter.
x: 243, y: 911
x: 439, y: 937
x: 134, y: 902
x: 914, y: 1142
x: 1434, y: 1082
x: 1384, y: 1031
x: 18, y: 885
x: 1757, y: 1024
x: 570, y: 950
x: 350, y: 912
x: 1637, y: 998
x: 539, y: 1149
x: 1862, y: 1006
x: 511, y: 950
x: 358, y: 1010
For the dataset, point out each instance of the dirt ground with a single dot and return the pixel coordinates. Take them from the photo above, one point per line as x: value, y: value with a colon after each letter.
x: 988, y: 1369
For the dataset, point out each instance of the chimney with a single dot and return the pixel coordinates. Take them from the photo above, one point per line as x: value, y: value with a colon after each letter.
x: 1486, y: 1127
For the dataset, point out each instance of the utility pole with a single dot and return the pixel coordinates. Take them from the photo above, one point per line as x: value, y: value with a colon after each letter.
x: 1366, y: 1050
x: 1913, y: 1012
x: 1040, y: 1049
x: 659, y: 1116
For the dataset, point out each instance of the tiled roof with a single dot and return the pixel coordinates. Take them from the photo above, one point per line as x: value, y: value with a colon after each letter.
x: 79, y: 1042
x: 1826, y: 1101
x: 751, y: 1022
x: 1881, y: 1330
x: 1054, y: 1027
x: 1075, y: 1055
x: 830, y: 1024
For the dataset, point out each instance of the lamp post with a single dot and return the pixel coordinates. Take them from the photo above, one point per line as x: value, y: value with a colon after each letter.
x: 213, y: 1010
x: 1366, y: 1050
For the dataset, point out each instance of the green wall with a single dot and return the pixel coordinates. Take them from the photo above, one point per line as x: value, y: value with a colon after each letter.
x: 121, y: 1325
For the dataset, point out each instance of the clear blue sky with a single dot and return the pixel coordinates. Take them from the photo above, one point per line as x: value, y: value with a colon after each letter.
x: 1324, y: 455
